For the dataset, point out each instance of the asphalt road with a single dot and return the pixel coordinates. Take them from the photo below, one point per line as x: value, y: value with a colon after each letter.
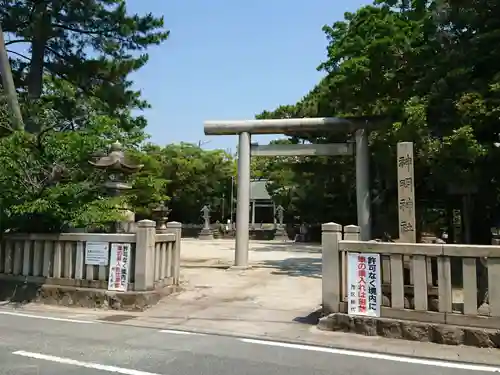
x: 50, y: 346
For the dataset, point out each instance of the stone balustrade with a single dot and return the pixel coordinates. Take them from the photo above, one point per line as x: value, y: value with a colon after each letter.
x: 59, y: 259
x: 431, y: 283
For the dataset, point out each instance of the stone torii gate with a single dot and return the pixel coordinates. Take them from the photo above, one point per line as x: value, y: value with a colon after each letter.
x: 245, y: 128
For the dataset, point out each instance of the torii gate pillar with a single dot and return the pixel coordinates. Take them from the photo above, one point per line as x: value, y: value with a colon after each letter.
x: 363, y: 199
x: 243, y: 201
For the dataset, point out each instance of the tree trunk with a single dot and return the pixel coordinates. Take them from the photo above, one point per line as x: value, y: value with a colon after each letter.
x: 38, y: 47
x: 8, y: 85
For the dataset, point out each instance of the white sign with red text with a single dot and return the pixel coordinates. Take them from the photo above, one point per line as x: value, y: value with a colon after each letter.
x: 119, y: 265
x: 364, y: 291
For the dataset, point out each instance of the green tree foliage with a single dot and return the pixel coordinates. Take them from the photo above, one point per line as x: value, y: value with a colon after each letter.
x: 428, y: 68
x: 47, y: 183
x: 149, y: 185
x: 92, y: 44
x: 198, y: 177
x: 5, y: 118
x: 76, y: 98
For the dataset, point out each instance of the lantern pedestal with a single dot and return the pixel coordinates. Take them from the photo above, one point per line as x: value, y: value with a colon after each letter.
x: 281, y: 233
x: 206, y: 234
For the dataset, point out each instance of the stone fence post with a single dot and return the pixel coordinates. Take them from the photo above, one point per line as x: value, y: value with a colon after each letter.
x: 351, y: 233
x: 331, y: 270
x: 176, y: 228
x: 144, y: 255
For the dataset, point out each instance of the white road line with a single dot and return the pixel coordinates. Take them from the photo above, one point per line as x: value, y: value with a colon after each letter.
x: 181, y: 332
x: 76, y: 316
x: 95, y: 366
x: 46, y: 317
x: 385, y: 357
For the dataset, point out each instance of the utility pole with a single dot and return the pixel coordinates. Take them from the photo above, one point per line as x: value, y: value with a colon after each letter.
x: 223, y: 204
x: 232, y: 199
x: 8, y: 85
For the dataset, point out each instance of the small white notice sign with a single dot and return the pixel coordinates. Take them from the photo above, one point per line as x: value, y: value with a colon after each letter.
x: 119, y: 265
x: 97, y: 253
x: 364, y: 291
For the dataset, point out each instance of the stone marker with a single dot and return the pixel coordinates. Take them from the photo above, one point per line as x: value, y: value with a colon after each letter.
x: 406, y: 198
x: 406, y: 193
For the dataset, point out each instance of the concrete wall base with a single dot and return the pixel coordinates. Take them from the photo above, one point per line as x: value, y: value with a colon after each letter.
x: 411, y: 330
x: 22, y: 293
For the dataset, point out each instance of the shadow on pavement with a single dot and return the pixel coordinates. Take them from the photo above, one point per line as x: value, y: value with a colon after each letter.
x: 310, y: 319
x: 18, y: 292
x: 298, y: 267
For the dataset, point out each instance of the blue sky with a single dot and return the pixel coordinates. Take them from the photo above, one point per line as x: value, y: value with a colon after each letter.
x: 230, y: 60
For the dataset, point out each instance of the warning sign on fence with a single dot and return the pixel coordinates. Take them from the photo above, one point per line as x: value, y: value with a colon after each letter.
x: 119, y: 266
x: 364, y: 291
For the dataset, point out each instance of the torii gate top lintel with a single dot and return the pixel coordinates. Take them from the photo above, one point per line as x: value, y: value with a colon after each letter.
x: 288, y: 126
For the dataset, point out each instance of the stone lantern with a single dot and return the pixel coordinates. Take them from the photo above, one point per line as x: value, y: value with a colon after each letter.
x: 206, y: 232
x: 280, y: 233
x: 118, y: 168
x: 160, y: 215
